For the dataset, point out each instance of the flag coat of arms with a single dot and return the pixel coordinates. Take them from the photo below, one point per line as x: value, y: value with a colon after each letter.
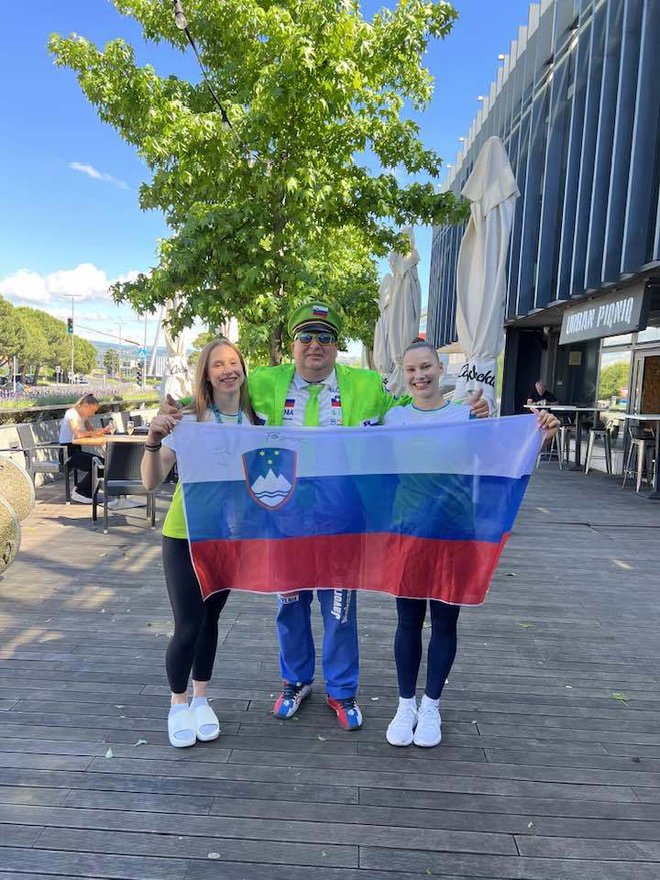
x: 420, y: 511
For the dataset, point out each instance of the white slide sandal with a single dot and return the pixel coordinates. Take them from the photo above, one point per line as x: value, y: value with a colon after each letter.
x: 207, y: 726
x: 181, y: 728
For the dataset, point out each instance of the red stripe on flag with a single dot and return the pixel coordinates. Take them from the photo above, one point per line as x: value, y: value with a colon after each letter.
x: 452, y: 571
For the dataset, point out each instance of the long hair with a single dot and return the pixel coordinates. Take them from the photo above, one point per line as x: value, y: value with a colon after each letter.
x: 203, y: 394
x: 87, y: 400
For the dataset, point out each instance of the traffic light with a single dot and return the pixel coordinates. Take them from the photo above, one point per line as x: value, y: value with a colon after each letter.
x: 69, y: 325
x: 139, y: 372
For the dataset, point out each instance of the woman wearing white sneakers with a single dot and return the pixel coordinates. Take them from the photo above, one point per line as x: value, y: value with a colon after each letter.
x: 422, y: 726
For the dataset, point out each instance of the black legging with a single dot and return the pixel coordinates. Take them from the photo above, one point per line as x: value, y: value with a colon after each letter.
x: 195, y: 638
x: 82, y: 461
x: 408, y: 645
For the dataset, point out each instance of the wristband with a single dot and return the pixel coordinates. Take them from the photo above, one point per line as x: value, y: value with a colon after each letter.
x: 153, y: 448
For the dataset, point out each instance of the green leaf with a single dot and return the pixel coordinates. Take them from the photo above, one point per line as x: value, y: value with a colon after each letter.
x: 281, y: 205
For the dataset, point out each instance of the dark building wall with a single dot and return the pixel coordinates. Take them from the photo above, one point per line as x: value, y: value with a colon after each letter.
x: 577, y: 105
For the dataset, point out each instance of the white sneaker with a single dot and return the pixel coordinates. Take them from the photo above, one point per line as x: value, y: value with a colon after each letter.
x: 428, y: 732
x: 400, y: 728
x: 133, y: 502
x: 120, y: 504
x: 81, y: 499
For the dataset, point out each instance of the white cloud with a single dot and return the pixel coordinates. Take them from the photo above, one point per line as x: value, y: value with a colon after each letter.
x: 95, y: 174
x: 85, y: 282
x: 97, y: 316
x: 25, y: 285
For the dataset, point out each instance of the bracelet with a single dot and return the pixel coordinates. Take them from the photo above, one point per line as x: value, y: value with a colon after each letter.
x: 153, y: 448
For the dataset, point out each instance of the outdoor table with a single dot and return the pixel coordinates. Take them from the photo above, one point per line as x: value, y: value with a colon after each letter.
x: 580, y: 412
x: 651, y: 417
x: 110, y: 438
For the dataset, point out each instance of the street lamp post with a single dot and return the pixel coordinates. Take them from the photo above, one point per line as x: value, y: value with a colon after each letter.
x: 121, y: 353
x: 73, y: 297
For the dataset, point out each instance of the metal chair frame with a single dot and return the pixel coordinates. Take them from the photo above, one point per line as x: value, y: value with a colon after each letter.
x: 120, y: 476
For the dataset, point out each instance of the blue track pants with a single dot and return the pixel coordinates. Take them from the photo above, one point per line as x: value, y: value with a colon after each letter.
x: 340, y: 658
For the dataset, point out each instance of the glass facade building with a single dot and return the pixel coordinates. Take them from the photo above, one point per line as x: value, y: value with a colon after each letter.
x: 577, y: 105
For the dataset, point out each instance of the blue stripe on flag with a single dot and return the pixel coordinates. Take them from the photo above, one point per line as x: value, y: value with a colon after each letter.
x: 436, y: 506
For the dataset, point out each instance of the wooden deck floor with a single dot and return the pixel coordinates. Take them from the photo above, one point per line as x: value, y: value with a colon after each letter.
x: 549, y: 770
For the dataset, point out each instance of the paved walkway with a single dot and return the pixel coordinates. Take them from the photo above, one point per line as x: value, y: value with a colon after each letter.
x: 550, y: 768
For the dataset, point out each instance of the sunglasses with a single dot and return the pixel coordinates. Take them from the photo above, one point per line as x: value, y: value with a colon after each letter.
x: 323, y: 338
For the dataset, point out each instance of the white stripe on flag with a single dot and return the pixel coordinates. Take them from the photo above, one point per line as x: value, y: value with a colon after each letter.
x: 505, y: 447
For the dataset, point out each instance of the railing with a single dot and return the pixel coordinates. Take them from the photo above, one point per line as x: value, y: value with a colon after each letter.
x: 55, y: 410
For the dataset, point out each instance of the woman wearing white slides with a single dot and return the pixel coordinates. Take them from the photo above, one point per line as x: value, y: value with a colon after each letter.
x: 220, y: 395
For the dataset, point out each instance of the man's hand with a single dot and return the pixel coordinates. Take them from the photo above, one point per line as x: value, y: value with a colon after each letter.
x: 478, y: 404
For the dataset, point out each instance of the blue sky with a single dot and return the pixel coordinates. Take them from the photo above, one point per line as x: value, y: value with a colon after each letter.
x: 70, y: 222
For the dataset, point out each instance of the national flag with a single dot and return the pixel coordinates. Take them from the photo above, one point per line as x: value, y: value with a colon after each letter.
x: 320, y: 311
x: 421, y: 511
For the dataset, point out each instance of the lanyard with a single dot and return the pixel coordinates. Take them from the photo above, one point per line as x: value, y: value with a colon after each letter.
x: 218, y: 415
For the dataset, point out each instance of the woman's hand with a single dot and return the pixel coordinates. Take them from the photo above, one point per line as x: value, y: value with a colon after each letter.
x: 479, y: 405
x: 170, y: 407
x: 161, y: 426
x: 546, y: 422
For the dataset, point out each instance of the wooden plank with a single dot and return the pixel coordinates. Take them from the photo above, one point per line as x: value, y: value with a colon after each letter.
x: 549, y: 768
x: 504, y: 867
x: 87, y: 865
x: 244, y: 829
x: 177, y: 847
x: 183, y: 784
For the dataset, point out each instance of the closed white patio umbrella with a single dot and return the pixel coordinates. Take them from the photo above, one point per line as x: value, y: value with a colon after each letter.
x: 381, y: 351
x: 405, y: 309
x: 177, y: 379
x: 481, y: 269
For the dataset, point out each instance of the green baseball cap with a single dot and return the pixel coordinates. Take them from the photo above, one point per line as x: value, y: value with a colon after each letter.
x: 314, y: 315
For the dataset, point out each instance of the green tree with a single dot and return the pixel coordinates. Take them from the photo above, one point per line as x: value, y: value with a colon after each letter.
x: 111, y: 361
x: 199, y: 342
x: 84, y: 355
x: 35, y: 351
x: 59, y: 343
x: 281, y: 200
x: 12, y: 333
x: 612, y: 379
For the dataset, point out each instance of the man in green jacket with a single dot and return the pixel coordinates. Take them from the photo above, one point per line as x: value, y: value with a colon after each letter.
x: 314, y: 391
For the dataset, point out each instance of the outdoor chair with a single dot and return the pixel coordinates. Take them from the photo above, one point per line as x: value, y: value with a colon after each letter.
x: 604, y: 433
x: 554, y: 450
x: 567, y: 429
x: 642, y: 444
x: 43, y: 454
x: 120, y: 476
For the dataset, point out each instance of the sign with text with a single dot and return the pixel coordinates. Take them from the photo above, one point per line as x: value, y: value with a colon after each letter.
x: 610, y: 315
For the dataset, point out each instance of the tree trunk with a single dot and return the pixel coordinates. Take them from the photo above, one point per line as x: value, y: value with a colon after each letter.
x: 37, y: 370
x: 275, y: 343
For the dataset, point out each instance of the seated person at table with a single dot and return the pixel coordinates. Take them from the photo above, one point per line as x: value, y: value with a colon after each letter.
x: 76, y: 424
x: 541, y: 393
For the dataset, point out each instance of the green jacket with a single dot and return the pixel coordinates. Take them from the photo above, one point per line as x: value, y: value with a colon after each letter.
x: 362, y: 393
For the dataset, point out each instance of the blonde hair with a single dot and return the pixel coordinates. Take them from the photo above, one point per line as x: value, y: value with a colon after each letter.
x: 203, y: 393
x: 87, y: 400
